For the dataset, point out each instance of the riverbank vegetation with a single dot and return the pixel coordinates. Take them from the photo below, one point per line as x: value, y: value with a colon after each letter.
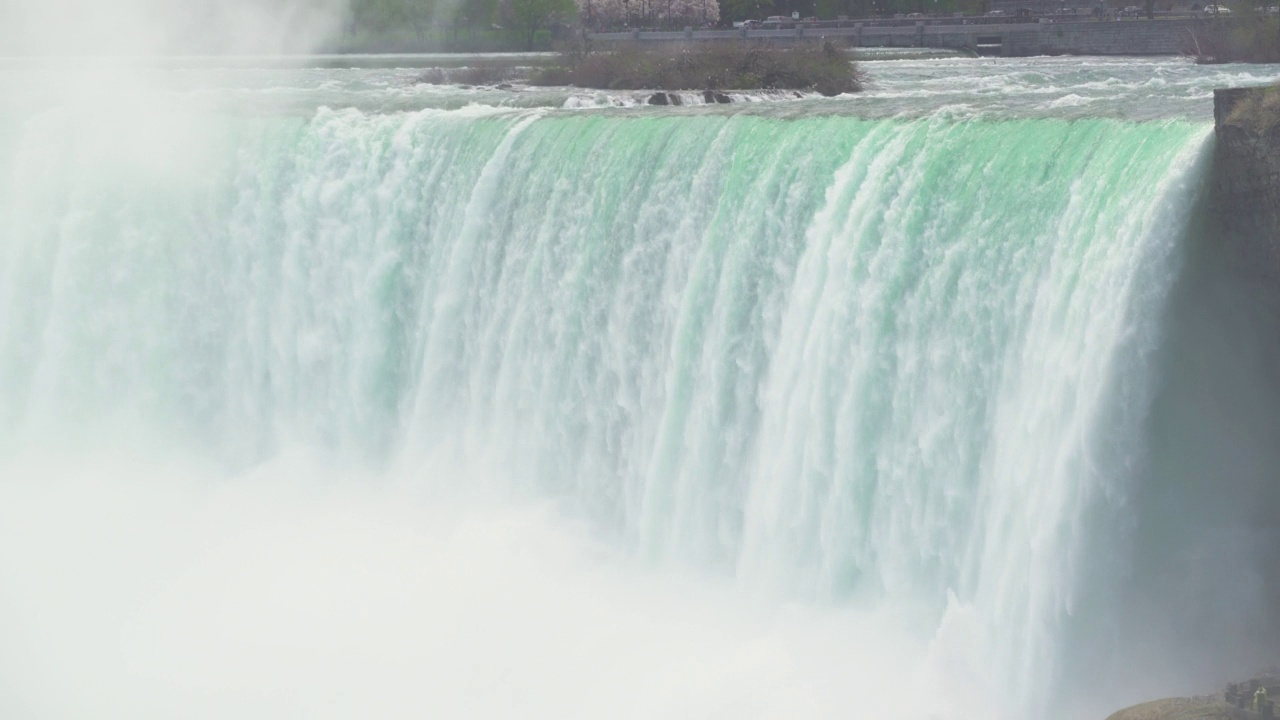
x: 497, y: 76
x: 404, y: 26
x: 455, y: 25
x: 1247, y: 42
x: 504, y: 25
x: 824, y: 68
x: 1258, y: 112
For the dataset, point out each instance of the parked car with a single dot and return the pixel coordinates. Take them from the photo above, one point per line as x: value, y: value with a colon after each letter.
x: 1216, y: 10
x: 915, y: 16
x: 996, y: 13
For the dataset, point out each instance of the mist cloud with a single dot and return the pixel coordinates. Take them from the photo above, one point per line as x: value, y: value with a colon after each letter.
x: 167, y: 27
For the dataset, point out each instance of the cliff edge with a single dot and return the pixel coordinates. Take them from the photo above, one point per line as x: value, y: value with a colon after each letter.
x: 1246, y: 175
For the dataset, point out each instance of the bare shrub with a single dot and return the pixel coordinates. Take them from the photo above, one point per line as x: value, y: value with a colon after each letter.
x: 709, y: 66
x: 465, y: 76
x: 1254, y: 42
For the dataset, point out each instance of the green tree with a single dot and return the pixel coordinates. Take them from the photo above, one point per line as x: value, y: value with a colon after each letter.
x: 380, y: 16
x: 739, y: 10
x: 419, y: 15
x: 528, y: 17
x: 829, y: 9
x: 478, y: 13
x: 374, y: 15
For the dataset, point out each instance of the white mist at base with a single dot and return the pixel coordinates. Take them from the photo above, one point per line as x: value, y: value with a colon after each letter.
x: 143, y: 590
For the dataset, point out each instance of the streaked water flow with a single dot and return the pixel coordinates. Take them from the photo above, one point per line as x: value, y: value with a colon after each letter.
x: 878, y: 368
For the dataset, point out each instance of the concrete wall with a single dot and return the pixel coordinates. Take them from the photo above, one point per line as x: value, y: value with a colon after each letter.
x: 1014, y: 39
x: 1120, y: 37
x: 1246, y: 187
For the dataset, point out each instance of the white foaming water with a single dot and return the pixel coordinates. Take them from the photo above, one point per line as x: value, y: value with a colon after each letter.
x: 499, y: 413
x: 147, y: 590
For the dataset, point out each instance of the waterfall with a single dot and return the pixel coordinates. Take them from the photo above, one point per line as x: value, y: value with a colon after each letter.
x: 899, y: 366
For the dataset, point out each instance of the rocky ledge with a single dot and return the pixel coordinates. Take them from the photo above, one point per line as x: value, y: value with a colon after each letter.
x: 1246, y: 175
x: 1181, y: 709
x: 1235, y: 702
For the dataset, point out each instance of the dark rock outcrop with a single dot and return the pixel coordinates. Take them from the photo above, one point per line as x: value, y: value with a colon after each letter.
x: 662, y: 98
x: 1246, y: 183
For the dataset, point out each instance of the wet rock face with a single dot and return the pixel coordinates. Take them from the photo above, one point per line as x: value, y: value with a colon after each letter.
x: 709, y: 96
x: 1246, y: 186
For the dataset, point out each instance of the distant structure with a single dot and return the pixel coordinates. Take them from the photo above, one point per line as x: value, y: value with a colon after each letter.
x: 1009, y: 36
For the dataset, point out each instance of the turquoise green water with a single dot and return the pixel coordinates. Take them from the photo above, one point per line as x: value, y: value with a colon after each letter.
x: 862, y: 365
x: 844, y: 361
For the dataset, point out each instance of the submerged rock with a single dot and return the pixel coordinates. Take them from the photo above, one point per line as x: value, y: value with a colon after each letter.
x: 713, y: 96
x: 661, y: 98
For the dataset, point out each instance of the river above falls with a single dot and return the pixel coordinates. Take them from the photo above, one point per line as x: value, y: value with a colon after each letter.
x: 1060, y: 87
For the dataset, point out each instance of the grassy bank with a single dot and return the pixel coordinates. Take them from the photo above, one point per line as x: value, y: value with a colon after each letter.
x: 1232, y: 704
x: 825, y: 69
x: 1258, y: 112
